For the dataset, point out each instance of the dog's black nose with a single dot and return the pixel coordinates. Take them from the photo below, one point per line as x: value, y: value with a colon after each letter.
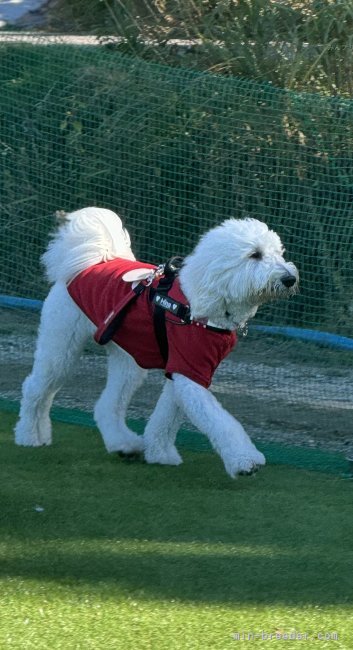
x: 288, y: 280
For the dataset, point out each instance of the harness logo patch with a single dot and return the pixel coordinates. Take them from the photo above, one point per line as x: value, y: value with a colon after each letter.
x: 164, y: 302
x: 173, y: 306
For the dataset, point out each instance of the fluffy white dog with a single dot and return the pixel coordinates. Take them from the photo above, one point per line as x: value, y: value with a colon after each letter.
x: 234, y: 268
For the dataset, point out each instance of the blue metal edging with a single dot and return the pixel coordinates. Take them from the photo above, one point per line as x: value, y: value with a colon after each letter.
x: 313, y: 336
x: 20, y: 303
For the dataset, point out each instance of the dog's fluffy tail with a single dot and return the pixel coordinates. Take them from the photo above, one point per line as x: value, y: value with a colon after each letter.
x: 87, y: 237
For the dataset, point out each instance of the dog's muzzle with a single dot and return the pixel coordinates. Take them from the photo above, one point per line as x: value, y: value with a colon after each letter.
x: 288, y: 280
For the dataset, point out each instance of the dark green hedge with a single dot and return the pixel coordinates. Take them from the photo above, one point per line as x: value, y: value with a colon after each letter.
x: 174, y: 152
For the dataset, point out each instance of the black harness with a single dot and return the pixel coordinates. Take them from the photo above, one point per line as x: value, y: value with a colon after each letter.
x: 162, y: 303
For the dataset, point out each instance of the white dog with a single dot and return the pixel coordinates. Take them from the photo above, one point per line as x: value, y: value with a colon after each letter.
x: 234, y: 268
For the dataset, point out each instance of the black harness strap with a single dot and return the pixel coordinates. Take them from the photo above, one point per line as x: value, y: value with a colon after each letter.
x: 163, y: 303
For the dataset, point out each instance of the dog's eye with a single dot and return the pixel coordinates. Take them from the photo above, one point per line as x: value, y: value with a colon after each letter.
x: 256, y: 255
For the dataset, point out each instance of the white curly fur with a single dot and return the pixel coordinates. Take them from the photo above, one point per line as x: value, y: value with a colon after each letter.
x: 235, y: 267
x: 87, y: 237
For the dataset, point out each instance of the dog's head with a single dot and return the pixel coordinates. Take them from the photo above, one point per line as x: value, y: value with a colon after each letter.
x: 234, y: 268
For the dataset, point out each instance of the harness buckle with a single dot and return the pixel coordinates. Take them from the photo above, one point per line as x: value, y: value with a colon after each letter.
x: 157, y: 273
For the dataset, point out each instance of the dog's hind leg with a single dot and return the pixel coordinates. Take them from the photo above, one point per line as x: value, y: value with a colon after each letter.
x: 124, y: 377
x: 161, y: 429
x: 63, y: 332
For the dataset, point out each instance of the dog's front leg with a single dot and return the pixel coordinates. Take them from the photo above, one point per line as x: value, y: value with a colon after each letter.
x: 225, y: 433
x: 161, y: 429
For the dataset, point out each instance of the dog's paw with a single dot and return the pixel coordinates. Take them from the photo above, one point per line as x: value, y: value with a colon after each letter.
x: 257, y: 456
x: 126, y: 444
x: 132, y: 457
x: 25, y: 439
x: 244, y: 464
x: 31, y: 443
x: 168, y: 456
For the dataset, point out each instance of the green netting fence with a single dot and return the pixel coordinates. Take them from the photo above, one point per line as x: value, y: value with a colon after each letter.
x: 174, y: 152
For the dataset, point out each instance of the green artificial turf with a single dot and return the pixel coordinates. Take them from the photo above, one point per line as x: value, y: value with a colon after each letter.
x: 98, y: 553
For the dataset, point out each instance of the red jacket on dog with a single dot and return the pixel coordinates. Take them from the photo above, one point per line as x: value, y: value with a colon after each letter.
x: 194, y: 350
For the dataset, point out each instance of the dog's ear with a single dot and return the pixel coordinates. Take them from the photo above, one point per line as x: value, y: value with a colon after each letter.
x: 137, y: 274
x: 60, y: 217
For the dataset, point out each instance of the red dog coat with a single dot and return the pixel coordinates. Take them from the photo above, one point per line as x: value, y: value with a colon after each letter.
x: 195, y: 350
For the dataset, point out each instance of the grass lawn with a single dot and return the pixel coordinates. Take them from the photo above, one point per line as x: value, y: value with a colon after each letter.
x: 97, y: 553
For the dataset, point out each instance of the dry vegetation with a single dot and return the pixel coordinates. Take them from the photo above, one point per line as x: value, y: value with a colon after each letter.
x: 305, y: 45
